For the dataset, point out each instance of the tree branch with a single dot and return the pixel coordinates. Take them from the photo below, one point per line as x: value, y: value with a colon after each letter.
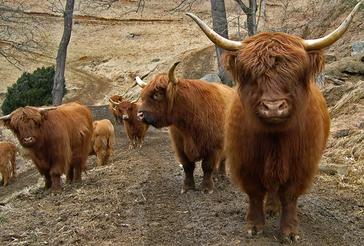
x: 243, y: 7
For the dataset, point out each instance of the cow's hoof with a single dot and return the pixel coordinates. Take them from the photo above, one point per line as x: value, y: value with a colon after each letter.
x: 56, y: 192
x: 207, y: 190
x: 254, y: 231
x: 291, y: 238
x: 186, y: 188
x: 207, y: 187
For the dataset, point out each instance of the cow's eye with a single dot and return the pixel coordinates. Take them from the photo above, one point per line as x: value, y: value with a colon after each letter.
x: 156, y: 96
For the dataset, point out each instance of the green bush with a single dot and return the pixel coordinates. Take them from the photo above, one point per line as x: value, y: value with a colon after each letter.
x: 31, y: 89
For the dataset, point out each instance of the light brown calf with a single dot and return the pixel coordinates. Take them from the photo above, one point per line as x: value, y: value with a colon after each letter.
x: 103, y: 140
x: 7, y: 161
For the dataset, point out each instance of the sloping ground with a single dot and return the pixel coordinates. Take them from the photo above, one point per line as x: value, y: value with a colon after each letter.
x: 136, y: 200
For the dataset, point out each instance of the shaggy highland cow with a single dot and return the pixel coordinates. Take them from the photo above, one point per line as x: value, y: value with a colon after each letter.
x: 57, y: 139
x: 278, y: 124
x: 7, y: 161
x: 194, y: 111
x: 135, y: 129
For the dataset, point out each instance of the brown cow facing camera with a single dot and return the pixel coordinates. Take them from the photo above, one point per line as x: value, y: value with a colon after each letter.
x: 194, y: 111
x: 57, y: 139
x: 278, y: 124
x: 7, y: 161
x: 135, y: 129
x: 102, y: 141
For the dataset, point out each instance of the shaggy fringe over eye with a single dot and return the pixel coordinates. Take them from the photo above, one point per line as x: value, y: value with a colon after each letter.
x: 274, y: 55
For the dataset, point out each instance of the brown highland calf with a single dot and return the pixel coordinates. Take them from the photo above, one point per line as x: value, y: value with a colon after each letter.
x: 57, y: 138
x: 194, y: 111
x: 102, y: 141
x: 278, y: 124
x: 135, y: 129
x: 7, y: 161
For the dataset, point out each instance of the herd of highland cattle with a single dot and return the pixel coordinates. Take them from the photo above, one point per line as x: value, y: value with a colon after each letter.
x: 270, y: 130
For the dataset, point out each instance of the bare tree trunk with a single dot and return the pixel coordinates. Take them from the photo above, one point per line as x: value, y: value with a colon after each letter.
x: 219, y: 24
x: 250, y: 15
x: 262, y: 11
x: 57, y: 92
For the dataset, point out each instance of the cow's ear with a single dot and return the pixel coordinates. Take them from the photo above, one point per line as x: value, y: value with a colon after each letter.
x: 5, y: 123
x: 44, y: 115
x: 317, y: 62
x: 229, y: 61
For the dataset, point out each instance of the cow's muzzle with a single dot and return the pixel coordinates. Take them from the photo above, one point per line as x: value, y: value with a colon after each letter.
x: 140, y: 115
x: 147, y: 118
x: 125, y: 117
x: 27, y: 141
x: 275, y: 111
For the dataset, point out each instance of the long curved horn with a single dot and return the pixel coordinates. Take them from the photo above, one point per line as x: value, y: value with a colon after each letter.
x: 320, y: 43
x: 216, y: 38
x: 171, y: 76
x: 45, y: 109
x: 140, y: 82
x: 113, y: 102
x: 5, y: 117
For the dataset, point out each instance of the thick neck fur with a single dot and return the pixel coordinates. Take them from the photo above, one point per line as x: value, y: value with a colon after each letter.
x: 194, y: 106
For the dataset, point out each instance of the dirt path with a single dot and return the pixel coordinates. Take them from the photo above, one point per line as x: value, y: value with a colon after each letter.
x: 136, y: 200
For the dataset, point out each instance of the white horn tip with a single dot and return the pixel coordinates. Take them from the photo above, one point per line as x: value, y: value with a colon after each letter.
x: 140, y: 82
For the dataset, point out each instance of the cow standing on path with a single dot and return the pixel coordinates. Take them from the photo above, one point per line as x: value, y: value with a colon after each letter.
x: 194, y: 111
x: 135, y: 129
x: 7, y: 161
x: 278, y: 124
x: 57, y: 138
x: 102, y: 141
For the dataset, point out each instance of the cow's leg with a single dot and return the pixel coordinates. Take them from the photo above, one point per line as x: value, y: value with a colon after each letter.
x: 272, y: 204
x: 135, y: 142
x: 56, y: 182
x: 140, y: 142
x: 189, y: 181
x: 188, y: 168
x: 70, y: 174
x: 219, y: 172
x: 13, y: 165
x: 289, y: 219
x: 255, y: 218
x: 78, y: 174
x: 107, y: 156
x: 79, y: 165
x: 221, y: 169
x: 47, y: 180
x: 5, y: 179
x: 99, y: 158
x: 208, y: 166
x: 131, y: 143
